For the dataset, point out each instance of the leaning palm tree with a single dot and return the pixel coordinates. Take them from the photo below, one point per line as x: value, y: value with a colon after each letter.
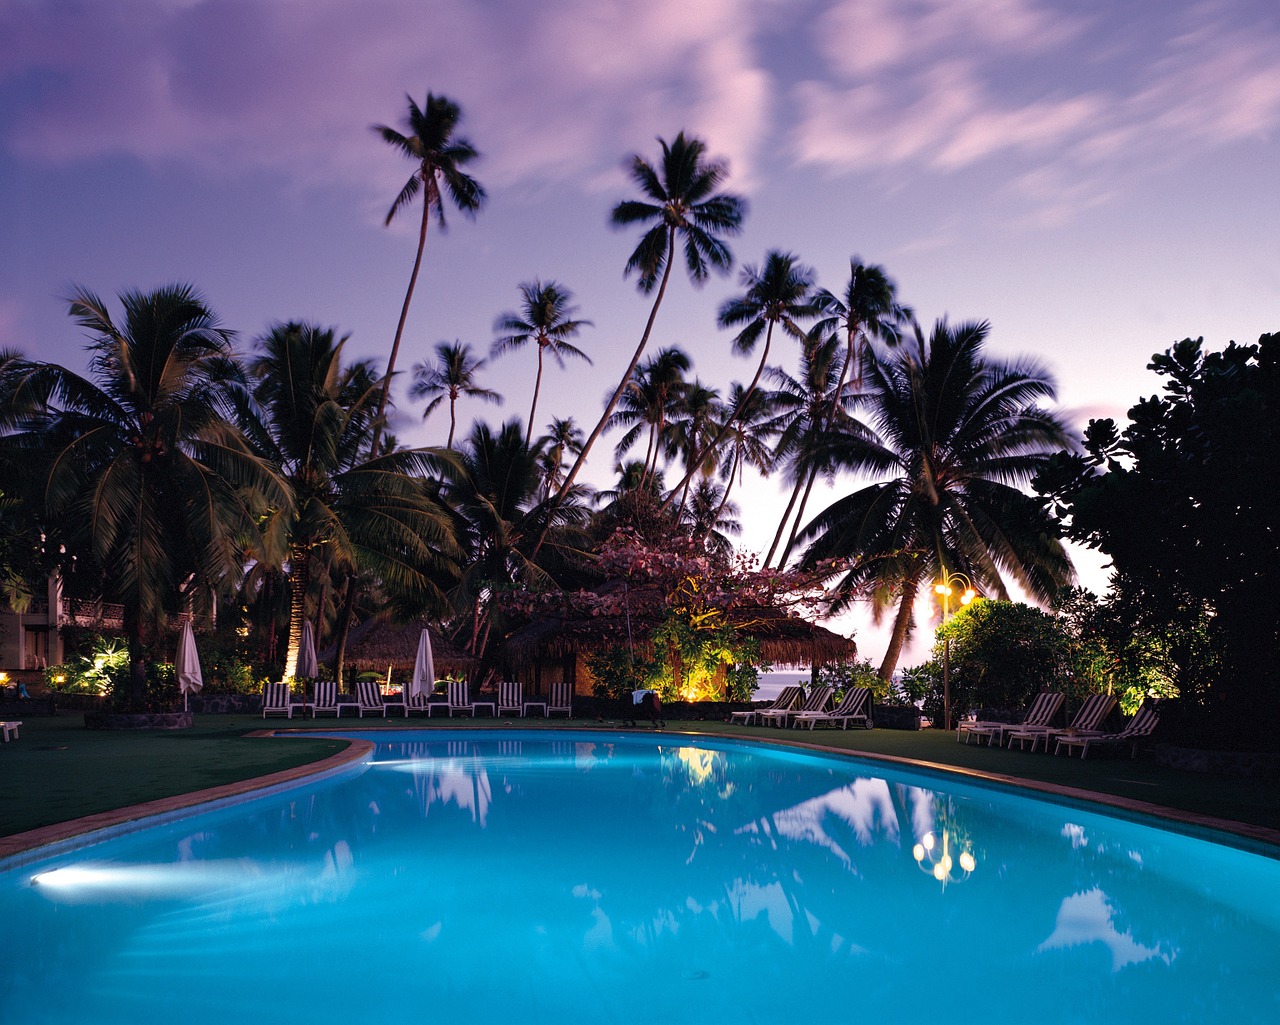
x: 545, y: 318
x: 682, y: 203
x: 351, y: 513
x: 439, y: 156
x: 140, y: 462
x: 452, y: 376
x: 956, y: 435
x: 698, y: 416
x: 752, y: 429
x: 778, y: 294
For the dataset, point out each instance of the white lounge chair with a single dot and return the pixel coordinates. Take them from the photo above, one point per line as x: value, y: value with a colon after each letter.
x: 855, y: 706
x: 560, y: 699
x: 510, y: 697
x: 1087, y: 719
x: 788, y: 697
x: 277, y: 700
x: 1142, y: 725
x: 1042, y: 710
x: 369, y: 699
x: 459, y: 694
x: 324, y: 699
x: 819, y: 700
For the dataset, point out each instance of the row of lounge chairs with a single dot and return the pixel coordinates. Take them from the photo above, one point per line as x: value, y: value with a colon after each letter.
x: 278, y: 699
x: 792, y: 708
x: 1082, y: 733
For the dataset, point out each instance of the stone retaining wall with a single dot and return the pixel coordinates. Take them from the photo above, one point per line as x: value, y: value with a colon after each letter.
x: 137, y: 720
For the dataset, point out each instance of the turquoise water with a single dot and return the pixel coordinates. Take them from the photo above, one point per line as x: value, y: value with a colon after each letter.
x: 563, y: 877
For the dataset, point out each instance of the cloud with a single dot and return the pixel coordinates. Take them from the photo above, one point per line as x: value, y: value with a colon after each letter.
x: 1069, y: 111
x: 548, y: 91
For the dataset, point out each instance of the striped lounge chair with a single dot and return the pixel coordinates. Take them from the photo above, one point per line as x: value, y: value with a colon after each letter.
x: 855, y: 706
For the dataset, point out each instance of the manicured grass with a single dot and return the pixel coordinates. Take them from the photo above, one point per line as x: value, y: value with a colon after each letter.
x: 58, y: 771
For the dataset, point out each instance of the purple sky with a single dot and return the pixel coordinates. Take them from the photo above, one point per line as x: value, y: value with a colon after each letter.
x: 1096, y: 179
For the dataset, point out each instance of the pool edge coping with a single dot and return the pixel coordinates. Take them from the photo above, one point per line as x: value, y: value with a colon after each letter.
x: 18, y: 844
x: 15, y: 846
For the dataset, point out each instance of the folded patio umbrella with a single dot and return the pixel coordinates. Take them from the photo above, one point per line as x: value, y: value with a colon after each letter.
x: 187, y: 661
x: 424, y: 670
x: 307, y: 667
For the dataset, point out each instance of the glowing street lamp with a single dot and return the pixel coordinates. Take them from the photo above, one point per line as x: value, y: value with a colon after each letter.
x: 936, y: 859
x: 949, y: 584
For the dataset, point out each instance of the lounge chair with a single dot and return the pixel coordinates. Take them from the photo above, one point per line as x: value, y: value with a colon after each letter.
x: 9, y: 730
x: 421, y: 702
x: 369, y: 699
x: 510, y: 697
x: 789, y: 697
x: 1142, y: 725
x: 560, y: 700
x: 277, y: 700
x: 819, y: 700
x: 459, y: 695
x: 324, y: 699
x: 855, y: 706
x: 1088, y: 717
x: 1042, y: 710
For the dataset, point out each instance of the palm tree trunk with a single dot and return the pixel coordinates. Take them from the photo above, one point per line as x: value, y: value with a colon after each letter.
x: 728, y: 424
x: 343, y: 627
x: 782, y: 525
x: 453, y: 420
x: 901, y: 624
x: 613, y: 402
x: 795, y: 527
x: 537, y: 386
x: 299, y: 570
x: 395, y: 345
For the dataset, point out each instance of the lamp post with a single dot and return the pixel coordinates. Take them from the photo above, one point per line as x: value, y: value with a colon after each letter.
x: 948, y: 584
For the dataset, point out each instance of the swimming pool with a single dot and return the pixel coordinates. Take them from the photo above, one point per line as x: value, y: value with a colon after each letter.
x: 500, y: 876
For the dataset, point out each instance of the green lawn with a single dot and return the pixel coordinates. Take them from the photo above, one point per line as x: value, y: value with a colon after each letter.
x: 58, y: 771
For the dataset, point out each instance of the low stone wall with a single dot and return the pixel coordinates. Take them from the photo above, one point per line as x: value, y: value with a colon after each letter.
x: 895, y: 717
x: 137, y: 720
x: 225, y: 704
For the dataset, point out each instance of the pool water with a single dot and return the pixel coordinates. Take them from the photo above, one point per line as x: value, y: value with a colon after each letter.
x: 562, y: 877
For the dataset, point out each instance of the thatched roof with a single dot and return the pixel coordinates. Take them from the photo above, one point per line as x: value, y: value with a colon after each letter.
x: 783, y: 638
x: 376, y: 644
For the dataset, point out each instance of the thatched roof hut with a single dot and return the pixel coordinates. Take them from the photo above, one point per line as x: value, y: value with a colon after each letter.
x: 783, y: 638
x: 378, y: 643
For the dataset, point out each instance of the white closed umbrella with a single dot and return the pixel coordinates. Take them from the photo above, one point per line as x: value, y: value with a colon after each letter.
x: 424, y: 669
x: 307, y: 668
x: 187, y: 661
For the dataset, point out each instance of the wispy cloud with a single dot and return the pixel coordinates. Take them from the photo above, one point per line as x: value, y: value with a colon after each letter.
x: 554, y: 89
x: 1070, y: 108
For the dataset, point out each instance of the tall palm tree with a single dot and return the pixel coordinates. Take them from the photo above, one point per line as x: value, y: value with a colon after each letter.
x: 749, y: 441
x: 778, y: 293
x: 697, y: 419
x: 140, y: 461
x: 500, y: 518
x: 867, y: 310
x: 452, y: 376
x: 545, y: 318
x: 650, y: 401
x: 562, y: 440
x: 956, y: 435
x: 711, y: 518
x: 805, y: 405
x: 439, y: 157
x: 682, y: 203
x: 351, y: 512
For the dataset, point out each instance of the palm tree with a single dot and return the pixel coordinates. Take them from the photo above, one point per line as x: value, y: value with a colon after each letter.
x: 650, y: 401
x: 141, y: 464
x: 868, y: 310
x: 752, y: 428
x: 500, y: 518
x: 546, y: 317
x: 697, y: 418
x: 351, y: 513
x: 805, y: 406
x: 439, y: 157
x: 778, y: 293
x: 711, y: 518
x: 955, y: 434
x: 453, y: 376
x: 562, y: 440
x: 682, y: 202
